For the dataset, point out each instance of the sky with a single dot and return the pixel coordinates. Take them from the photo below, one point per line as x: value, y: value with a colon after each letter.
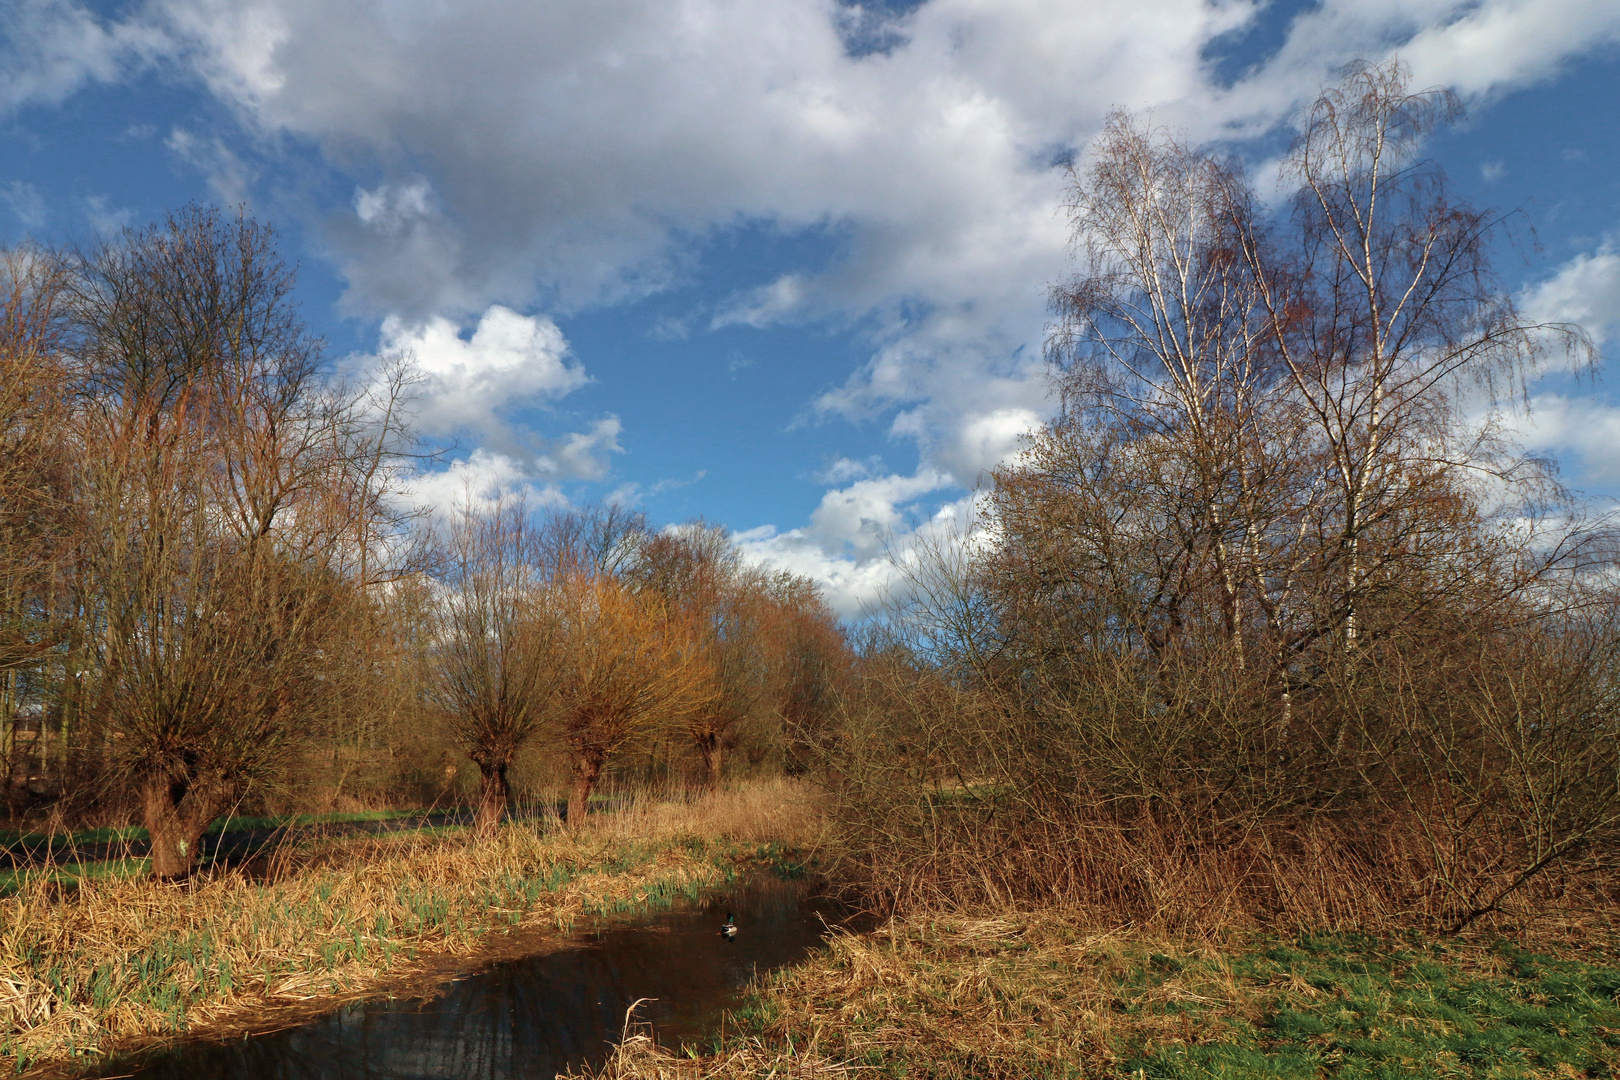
x: 781, y: 264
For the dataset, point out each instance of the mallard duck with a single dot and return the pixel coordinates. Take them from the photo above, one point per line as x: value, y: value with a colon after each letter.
x: 728, y: 929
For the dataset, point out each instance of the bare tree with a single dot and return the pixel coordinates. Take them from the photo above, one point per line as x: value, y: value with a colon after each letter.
x: 37, y: 533
x: 496, y: 655
x: 594, y: 539
x: 212, y: 567
x: 1242, y: 588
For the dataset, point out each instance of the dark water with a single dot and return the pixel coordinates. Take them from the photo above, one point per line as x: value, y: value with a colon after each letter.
x: 530, y: 1018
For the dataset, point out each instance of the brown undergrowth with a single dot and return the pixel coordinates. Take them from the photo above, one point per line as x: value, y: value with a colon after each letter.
x: 115, y: 965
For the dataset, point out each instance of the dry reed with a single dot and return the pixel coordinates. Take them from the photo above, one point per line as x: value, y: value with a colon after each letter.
x: 780, y: 810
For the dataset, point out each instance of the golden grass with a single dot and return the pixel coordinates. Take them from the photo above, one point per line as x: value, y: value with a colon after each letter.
x: 1035, y: 991
x: 781, y: 811
x: 116, y: 964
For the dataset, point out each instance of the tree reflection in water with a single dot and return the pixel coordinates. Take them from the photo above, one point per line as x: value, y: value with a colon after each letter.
x: 533, y: 1017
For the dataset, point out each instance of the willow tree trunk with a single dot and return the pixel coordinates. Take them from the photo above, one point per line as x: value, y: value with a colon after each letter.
x: 712, y: 751
x: 175, y: 823
x: 492, y: 796
x: 586, y: 771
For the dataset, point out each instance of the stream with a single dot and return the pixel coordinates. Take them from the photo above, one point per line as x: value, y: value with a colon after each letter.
x: 537, y: 1015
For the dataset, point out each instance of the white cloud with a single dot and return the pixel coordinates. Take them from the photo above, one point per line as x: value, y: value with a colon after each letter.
x: 632, y: 493
x: 764, y: 306
x: 390, y: 208
x: 509, y: 153
x: 843, y: 470
x: 858, y: 577
x: 469, y: 385
x: 863, y: 517
x: 478, y: 481
x: 1490, y: 46
x: 1587, y: 428
x: 105, y: 218
x: 1585, y: 290
x: 851, y: 586
x: 51, y: 48
x: 582, y: 455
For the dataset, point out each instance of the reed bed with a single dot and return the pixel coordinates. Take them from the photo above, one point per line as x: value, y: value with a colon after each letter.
x: 113, y: 965
x: 783, y: 811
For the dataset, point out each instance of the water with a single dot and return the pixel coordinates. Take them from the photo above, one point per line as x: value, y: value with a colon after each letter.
x: 531, y: 1017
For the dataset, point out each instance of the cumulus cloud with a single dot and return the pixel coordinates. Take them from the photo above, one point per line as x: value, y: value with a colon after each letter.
x: 863, y: 517
x: 859, y: 577
x: 860, y: 532
x: 515, y: 154
x: 469, y: 385
x: 478, y: 481
x: 851, y: 586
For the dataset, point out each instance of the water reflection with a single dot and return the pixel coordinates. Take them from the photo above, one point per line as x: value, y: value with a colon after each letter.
x: 532, y: 1017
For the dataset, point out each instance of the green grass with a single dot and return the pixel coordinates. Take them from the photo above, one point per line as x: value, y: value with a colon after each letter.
x: 112, y: 835
x: 105, y: 835
x: 122, y: 833
x: 13, y: 881
x: 1356, y: 1007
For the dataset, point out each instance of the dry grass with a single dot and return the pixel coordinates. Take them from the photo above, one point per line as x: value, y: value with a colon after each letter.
x: 1004, y: 995
x: 116, y: 964
x: 639, y: 1057
x: 781, y: 811
x: 1048, y: 994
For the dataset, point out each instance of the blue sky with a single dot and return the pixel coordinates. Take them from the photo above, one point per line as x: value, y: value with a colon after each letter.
x: 779, y: 263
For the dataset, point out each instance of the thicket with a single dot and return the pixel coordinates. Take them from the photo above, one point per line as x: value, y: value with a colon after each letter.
x: 1270, y: 622
x: 215, y: 598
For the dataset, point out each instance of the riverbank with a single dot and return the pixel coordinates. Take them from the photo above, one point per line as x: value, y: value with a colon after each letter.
x: 113, y: 966
x: 1039, y: 995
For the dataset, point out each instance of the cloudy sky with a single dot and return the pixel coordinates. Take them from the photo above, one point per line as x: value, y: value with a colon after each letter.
x: 779, y: 263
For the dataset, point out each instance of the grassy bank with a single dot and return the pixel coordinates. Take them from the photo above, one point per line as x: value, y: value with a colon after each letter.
x: 1037, y: 996
x: 113, y: 964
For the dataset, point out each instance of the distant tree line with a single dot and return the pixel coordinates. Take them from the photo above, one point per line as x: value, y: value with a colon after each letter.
x: 213, y: 597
